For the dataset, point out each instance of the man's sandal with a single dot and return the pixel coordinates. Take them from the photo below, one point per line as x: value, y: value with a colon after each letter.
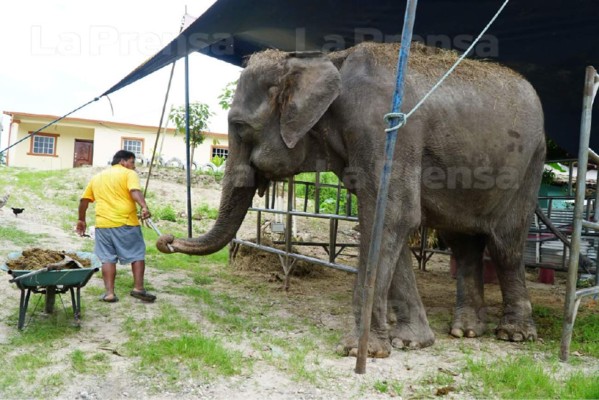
x: 107, y: 299
x: 143, y: 295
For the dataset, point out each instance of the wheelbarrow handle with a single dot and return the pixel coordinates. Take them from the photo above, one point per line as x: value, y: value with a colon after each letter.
x: 29, y: 274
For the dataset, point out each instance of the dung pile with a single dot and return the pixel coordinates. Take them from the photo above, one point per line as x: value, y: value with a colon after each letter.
x: 36, y: 258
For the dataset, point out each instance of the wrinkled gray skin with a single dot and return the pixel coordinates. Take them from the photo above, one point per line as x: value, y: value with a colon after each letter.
x: 468, y: 163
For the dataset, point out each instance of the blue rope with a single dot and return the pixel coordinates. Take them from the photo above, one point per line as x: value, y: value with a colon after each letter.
x: 400, y: 119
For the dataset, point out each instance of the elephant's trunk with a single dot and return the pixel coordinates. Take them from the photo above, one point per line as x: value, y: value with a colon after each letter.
x: 238, y: 191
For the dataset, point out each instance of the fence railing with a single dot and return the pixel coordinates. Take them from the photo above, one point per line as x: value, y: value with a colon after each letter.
x: 289, y: 212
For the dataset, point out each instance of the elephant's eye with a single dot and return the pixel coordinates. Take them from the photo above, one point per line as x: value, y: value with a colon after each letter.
x: 273, y: 91
x: 242, y: 130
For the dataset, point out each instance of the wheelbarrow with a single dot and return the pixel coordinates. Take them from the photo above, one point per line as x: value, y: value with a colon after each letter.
x: 52, y: 280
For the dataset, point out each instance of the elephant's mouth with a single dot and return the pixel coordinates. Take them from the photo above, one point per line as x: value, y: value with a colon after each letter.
x: 277, y: 164
x: 275, y: 172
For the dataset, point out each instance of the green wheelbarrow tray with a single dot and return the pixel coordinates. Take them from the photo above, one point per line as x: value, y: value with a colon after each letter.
x: 51, y: 283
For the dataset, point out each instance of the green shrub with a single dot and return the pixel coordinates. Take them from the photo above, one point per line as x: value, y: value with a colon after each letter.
x: 204, y: 211
x: 328, y: 193
x: 166, y: 213
x: 218, y: 175
x: 218, y: 160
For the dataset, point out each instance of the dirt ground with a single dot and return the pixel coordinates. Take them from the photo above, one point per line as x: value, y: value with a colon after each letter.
x: 304, y: 298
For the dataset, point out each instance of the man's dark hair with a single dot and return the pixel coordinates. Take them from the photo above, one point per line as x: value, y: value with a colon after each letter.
x: 122, y: 155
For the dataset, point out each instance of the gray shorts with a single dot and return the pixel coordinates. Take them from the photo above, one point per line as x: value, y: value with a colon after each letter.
x: 125, y: 244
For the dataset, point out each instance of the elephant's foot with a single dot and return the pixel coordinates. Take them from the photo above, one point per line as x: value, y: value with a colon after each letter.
x: 378, y: 345
x: 466, y: 323
x: 516, y: 329
x: 412, y: 337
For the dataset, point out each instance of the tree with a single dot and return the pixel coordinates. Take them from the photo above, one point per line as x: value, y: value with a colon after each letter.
x: 226, y: 97
x: 199, y: 114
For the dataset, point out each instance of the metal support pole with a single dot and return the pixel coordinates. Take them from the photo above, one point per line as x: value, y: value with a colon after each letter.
x: 333, y: 225
x: 423, y: 247
x: 289, y: 216
x: 188, y: 147
x: 595, y: 215
x: 381, y: 204
x: 317, y: 192
x: 168, y: 90
x: 571, y: 303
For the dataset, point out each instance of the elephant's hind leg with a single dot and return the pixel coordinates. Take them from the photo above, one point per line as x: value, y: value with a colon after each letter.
x: 469, y: 318
x: 410, y: 328
x: 516, y: 324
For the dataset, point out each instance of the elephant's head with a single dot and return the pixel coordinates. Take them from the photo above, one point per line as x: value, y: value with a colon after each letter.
x: 279, y: 98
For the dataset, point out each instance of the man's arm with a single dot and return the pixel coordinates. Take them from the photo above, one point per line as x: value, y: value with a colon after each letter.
x: 138, y: 196
x: 81, y: 225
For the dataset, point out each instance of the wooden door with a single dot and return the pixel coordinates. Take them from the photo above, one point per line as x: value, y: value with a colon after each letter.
x: 84, y: 153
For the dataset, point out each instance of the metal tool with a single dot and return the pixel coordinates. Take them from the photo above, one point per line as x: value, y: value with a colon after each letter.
x: 155, y: 228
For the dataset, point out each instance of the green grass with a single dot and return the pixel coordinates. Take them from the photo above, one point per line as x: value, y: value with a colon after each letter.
x: 19, y: 237
x: 391, y: 387
x: 20, y: 367
x: 204, y: 211
x: 166, y: 213
x: 44, y: 187
x: 524, y: 377
x: 584, y: 336
x: 206, y: 311
x: 182, y: 262
x: 177, y: 348
x: 41, y: 329
x: 85, y: 363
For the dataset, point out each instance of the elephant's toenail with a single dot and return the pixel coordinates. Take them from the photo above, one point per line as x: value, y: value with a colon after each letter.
x: 517, y: 337
x: 414, y: 345
x: 456, y: 332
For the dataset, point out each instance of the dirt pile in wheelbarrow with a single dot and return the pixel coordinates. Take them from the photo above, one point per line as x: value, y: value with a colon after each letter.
x: 35, y: 258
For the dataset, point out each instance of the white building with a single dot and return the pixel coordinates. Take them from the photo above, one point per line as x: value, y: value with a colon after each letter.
x: 74, y: 142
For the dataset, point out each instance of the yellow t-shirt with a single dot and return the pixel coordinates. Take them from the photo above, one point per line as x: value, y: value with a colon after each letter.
x: 110, y: 189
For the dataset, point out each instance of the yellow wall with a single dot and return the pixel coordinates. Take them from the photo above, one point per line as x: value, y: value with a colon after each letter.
x: 107, y: 138
x: 65, y: 144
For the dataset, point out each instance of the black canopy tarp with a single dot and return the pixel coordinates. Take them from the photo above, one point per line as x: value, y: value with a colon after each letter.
x: 548, y: 41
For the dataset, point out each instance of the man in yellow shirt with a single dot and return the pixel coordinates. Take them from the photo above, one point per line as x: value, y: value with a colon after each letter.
x: 116, y: 191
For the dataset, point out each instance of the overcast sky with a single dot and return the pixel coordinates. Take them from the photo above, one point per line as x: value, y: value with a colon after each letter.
x: 59, y: 54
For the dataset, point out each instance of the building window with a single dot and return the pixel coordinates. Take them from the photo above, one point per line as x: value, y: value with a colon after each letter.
x: 43, y: 145
x: 219, y: 152
x: 136, y: 146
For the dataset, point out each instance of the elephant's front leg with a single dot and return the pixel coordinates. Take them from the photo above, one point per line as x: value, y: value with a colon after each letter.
x: 394, y: 280
x: 379, y: 343
x: 411, y: 328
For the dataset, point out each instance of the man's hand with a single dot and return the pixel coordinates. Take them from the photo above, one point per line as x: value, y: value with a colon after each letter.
x: 138, y: 197
x: 81, y: 226
x: 145, y: 213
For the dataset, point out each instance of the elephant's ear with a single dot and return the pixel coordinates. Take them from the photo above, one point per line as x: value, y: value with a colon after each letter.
x: 309, y: 88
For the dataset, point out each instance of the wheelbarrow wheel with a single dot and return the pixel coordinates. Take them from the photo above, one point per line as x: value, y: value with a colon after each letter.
x: 50, y: 299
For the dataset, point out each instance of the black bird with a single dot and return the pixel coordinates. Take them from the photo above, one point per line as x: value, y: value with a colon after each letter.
x: 17, y: 211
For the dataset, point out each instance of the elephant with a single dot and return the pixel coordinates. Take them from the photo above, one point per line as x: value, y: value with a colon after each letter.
x: 468, y: 162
